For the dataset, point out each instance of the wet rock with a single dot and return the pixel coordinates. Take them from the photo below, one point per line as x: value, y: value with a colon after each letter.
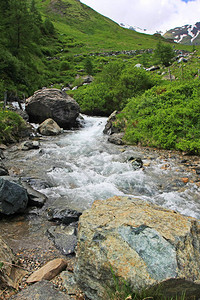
x: 3, y: 170
x: 137, y: 163
x: 185, y: 180
x: 197, y: 170
x: 144, y: 244
x: 3, y: 147
x: 116, y: 138
x: 2, y: 156
x: 48, y: 271
x: 65, y: 216
x: 13, y: 197
x: 55, y: 104
x: 49, y: 127
x: 35, y: 198
x: 109, y: 127
x: 64, y: 238
x: 42, y: 290
x: 10, y: 275
x: 29, y: 145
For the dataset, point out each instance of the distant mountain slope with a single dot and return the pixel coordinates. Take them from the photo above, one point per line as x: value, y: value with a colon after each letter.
x: 186, y: 35
x: 85, y: 30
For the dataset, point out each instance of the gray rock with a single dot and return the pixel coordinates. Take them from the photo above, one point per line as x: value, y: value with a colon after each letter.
x: 109, y: 127
x: 144, y: 244
x: 65, y: 216
x: 35, y: 198
x: 137, y: 163
x: 2, y: 156
x: 64, y: 238
x: 153, y: 68
x: 116, y: 138
x: 3, y: 170
x: 43, y: 290
x: 29, y: 145
x: 9, y: 274
x: 69, y: 282
x: 49, y: 127
x: 55, y: 104
x: 13, y: 197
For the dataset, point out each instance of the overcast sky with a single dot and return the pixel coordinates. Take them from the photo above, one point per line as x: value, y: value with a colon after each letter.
x: 154, y: 15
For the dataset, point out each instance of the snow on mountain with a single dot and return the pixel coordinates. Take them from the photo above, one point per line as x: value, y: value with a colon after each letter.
x: 187, y: 34
x: 136, y: 28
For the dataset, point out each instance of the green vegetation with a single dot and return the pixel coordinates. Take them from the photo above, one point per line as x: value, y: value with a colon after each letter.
x: 11, y: 126
x: 122, y: 290
x: 164, y: 54
x: 50, y: 42
x: 166, y: 116
x: 112, y: 88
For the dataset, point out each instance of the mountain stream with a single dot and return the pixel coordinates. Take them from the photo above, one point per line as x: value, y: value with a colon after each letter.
x: 80, y: 166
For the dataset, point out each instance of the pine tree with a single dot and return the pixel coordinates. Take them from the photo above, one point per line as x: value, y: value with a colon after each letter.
x: 18, y: 27
x: 163, y: 54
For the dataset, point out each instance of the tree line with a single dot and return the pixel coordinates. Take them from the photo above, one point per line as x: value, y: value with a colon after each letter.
x: 21, y: 29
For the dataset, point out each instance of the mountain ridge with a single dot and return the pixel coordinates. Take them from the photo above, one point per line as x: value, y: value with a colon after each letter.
x: 186, y: 34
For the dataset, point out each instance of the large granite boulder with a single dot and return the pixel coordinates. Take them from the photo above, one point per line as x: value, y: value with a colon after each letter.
x: 55, y: 104
x: 145, y: 244
x: 10, y: 275
x: 13, y: 197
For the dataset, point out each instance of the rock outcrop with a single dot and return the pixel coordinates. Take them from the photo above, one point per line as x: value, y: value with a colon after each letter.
x: 49, y: 127
x: 55, y: 104
x: 145, y: 244
x: 13, y: 197
x: 9, y: 273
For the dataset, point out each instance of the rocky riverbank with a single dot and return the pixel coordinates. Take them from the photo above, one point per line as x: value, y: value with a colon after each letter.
x: 36, y: 236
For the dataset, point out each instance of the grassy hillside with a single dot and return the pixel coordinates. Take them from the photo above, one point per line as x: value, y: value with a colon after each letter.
x: 85, y: 30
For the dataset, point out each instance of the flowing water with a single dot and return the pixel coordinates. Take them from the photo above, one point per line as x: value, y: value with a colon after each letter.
x: 78, y: 167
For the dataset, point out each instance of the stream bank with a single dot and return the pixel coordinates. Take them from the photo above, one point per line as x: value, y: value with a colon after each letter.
x: 78, y: 167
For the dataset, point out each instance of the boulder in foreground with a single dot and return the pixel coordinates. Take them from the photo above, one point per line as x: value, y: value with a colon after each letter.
x: 145, y: 244
x: 54, y: 104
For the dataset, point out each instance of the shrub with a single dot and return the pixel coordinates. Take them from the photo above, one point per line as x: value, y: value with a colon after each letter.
x: 11, y: 126
x: 165, y: 117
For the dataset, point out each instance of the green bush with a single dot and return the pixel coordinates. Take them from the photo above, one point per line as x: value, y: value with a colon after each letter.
x: 112, y: 88
x: 165, y: 117
x: 11, y: 126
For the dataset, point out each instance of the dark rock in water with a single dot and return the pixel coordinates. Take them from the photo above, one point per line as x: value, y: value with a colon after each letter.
x: 64, y: 238
x: 13, y: 197
x: 3, y: 170
x: 29, y: 145
x: 116, y: 138
x: 55, y: 104
x: 35, y: 198
x: 2, y: 156
x: 137, y: 163
x: 109, y: 127
x: 65, y: 216
x: 43, y: 290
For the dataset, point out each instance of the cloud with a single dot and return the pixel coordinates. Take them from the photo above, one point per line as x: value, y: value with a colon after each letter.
x: 154, y: 15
